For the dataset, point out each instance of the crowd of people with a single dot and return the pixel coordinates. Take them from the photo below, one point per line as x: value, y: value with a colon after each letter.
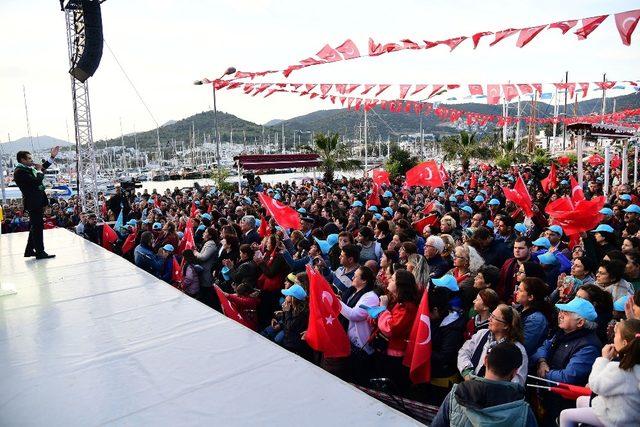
x: 509, y: 297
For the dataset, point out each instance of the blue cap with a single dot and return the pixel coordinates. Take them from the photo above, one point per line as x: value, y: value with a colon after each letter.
x: 373, y: 208
x: 458, y: 193
x: 197, y: 203
x: 225, y: 273
x: 277, y: 196
x: 520, y: 228
x: 564, y: 182
x: 581, y: 307
x: 619, y: 304
x: 490, y: 224
x: 441, y: 194
x: 325, y: 247
x: 373, y: 312
x: 295, y: 291
x: 247, y: 200
x: 603, y: 228
x: 70, y: 210
x: 332, y: 239
x: 542, y: 242
x: 270, y: 190
x: 387, y: 194
x: 344, y: 187
x: 258, y: 222
x: 132, y: 222
x: 447, y: 281
x: 483, y: 191
x: 467, y: 209
x: 206, y: 216
x: 388, y: 210
x: 453, y: 199
x: 606, y: 211
x: 547, y: 258
x: 626, y: 197
x: 146, y: 221
x: 494, y: 202
x: 356, y: 204
x: 201, y: 227
x: 556, y: 229
x: 478, y: 199
x: 168, y: 247
x: 377, y: 216
x: 632, y: 209
x: 180, y: 234
x: 157, y: 226
x: 302, y: 211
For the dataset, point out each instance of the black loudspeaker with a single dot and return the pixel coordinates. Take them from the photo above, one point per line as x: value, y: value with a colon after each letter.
x: 89, y: 60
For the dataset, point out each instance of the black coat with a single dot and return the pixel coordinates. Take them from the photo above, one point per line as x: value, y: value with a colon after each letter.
x: 32, y: 196
x: 251, y: 237
x: 446, y: 341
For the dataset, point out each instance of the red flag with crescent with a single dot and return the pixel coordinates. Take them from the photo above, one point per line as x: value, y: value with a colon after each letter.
x: 418, y: 354
x: 228, y: 309
x: 109, y: 237
x: 285, y: 216
x: 324, y: 332
x: 374, y: 197
x: 425, y: 174
x: 129, y: 242
x: 520, y: 196
x: 187, y: 241
x: 626, y: 23
x: 551, y: 181
x: 577, y: 193
x: 381, y: 176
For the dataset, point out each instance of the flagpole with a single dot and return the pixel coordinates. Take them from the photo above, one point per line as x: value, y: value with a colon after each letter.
x: 564, y: 112
x: 625, y: 163
x: 635, y: 166
x: 366, y: 155
x: 607, y: 159
x: 518, y: 126
x: 579, y: 149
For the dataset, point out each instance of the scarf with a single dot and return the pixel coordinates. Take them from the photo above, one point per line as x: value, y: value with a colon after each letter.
x: 32, y: 171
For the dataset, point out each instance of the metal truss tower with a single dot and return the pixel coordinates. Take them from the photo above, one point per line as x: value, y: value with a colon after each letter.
x: 86, y: 167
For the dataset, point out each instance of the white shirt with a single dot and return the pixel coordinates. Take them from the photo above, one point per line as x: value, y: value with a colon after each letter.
x: 359, y: 329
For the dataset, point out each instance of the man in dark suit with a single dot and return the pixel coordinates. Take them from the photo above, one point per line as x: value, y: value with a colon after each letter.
x: 28, y: 176
x: 249, y: 233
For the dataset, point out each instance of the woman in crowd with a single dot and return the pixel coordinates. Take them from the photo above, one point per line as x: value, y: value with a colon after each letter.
x: 609, y: 277
x: 191, y: 272
x: 273, y: 269
x: 417, y: 265
x: 614, y: 380
x: 395, y: 323
x: 487, y: 277
x: 207, y: 257
x: 295, y: 316
x: 582, y: 273
x: 359, y: 328
x: 535, y: 311
x: 603, y: 304
x: 466, y: 264
x: 246, y: 271
x: 504, y: 325
x: 483, y: 305
x: 629, y: 244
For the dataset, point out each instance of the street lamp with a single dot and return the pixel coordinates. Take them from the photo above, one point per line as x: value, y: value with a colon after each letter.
x: 228, y: 71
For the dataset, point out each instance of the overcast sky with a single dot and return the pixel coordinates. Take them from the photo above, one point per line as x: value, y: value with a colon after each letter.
x: 164, y: 45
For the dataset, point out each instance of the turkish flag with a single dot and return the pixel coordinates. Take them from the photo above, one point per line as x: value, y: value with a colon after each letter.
x: 374, y: 197
x: 285, y: 216
x: 227, y: 308
x: 381, y: 176
x: 109, y: 237
x: 419, y: 225
x: 329, y: 54
x: 493, y: 94
x: 551, y: 181
x: 473, y: 182
x: 381, y: 88
x: 324, y: 332
x: 425, y: 174
x: 577, y: 193
x: 263, y: 231
x: 605, y: 85
x: 510, y: 92
x: 477, y: 36
x: 626, y: 23
x: 524, y: 88
x: 156, y: 201
x: 443, y: 174
x: 404, y: 89
x: 176, y: 272
x: 103, y: 209
x: 616, y: 161
x: 418, y: 353
x: 589, y: 25
x: 348, y: 49
x: 194, y: 210
x: 527, y: 34
x: 520, y: 196
x: 187, y: 241
x: 564, y: 26
x: 435, y: 90
x: 130, y: 242
x: 595, y: 160
x: 585, y: 89
x: 564, y: 160
x: 428, y: 207
x: 475, y: 90
x: 574, y: 218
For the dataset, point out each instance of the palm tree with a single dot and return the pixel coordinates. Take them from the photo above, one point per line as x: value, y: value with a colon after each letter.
x: 465, y: 147
x: 333, y: 154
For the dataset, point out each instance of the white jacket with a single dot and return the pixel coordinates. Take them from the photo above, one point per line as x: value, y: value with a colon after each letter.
x: 618, y: 400
x: 359, y: 328
x: 469, y: 347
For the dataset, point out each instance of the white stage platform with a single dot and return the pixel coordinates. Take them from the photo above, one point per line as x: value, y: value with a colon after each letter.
x: 89, y: 339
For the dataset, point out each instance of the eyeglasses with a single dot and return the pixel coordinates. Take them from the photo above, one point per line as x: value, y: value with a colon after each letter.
x: 497, y: 319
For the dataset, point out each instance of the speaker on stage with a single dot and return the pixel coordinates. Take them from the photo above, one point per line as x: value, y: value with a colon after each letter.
x: 90, y: 59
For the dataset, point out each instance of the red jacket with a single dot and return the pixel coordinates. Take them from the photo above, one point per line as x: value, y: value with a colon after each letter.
x: 396, y: 325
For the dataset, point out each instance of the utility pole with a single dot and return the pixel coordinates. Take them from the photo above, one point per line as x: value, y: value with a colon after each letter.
x: 564, y: 113
x: 283, y: 144
x: 604, y: 95
x: 517, y: 144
